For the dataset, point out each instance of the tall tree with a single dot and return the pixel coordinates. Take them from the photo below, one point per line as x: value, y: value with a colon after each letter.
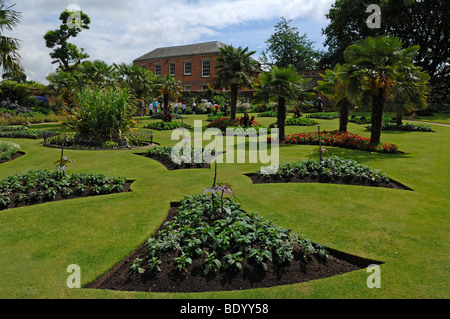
x: 334, y: 85
x: 423, y: 23
x: 286, y: 47
x: 284, y: 84
x: 168, y: 87
x: 9, y: 47
x: 377, y: 65
x: 235, y: 68
x: 68, y: 55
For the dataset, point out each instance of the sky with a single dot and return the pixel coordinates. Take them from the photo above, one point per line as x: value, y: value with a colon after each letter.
x: 121, y: 31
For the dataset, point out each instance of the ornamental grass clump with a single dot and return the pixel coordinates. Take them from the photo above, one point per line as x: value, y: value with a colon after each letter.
x: 8, y: 149
x: 102, y: 114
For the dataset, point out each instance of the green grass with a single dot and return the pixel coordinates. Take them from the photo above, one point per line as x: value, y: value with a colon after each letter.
x: 406, y: 230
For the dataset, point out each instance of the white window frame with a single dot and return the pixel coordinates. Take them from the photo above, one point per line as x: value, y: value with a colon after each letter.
x: 190, y: 68
x: 204, y: 69
x: 170, y: 69
x: 157, y: 66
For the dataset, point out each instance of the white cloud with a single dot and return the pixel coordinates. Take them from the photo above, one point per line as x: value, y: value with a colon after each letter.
x: 121, y: 31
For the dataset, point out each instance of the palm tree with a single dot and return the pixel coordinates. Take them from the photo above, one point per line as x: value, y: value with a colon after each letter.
x: 97, y: 72
x: 9, y: 47
x: 234, y: 71
x: 137, y: 79
x: 376, y: 65
x: 283, y: 84
x: 409, y: 94
x: 334, y: 86
x: 167, y: 87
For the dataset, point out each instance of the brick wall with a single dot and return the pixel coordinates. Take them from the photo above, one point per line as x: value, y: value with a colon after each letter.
x: 196, y: 80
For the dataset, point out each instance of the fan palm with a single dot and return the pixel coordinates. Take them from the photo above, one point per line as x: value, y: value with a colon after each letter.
x: 283, y: 84
x: 234, y: 71
x: 376, y: 65
x: 167, y: 87
x: 334, y: 86
x: 409, y: 94
x: 9, y: 47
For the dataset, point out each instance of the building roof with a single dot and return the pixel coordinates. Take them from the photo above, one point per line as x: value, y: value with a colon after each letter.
x: 183, y: 51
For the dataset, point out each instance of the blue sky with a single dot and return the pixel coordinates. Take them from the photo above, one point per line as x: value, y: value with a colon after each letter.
x: 121, y: 31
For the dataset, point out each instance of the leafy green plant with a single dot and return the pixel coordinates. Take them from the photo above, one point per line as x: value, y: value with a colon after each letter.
x: 136, y: 266
x: 260, y: 255
x: 182, y: 262
x: 154, y: 264
x: 300, y: 121
x: 233, y: 261
x: 212, y: 263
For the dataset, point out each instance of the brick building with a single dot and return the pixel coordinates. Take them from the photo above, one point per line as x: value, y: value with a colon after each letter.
x: 193, y: 64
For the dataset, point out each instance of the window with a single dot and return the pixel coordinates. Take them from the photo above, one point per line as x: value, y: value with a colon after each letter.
x: 205, y: 69
x: 205, y: 87
x: 157, y: 69
x: 172, y: 69
x: 187, y: 87
x: 187, y: 68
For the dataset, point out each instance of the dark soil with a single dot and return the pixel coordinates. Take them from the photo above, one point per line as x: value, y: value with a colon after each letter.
x: 171, y: 165
x: 298, y: 179
x: 14, y: 204
x: 15, y: 156
x: 250, y: 277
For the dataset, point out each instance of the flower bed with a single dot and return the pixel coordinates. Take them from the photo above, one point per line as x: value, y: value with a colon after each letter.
x: 367, y: 119
x: 134, y: 138
x: 339, y: 139
x: 22, y: 132
x: 35, y: 187
x: 410, y: 127
x: 333, y: 170
x: 164, y: 156
x: 323, y: 115
x: 210, y: 245
x: 163, y: 126
x: 300, y: 121
x: 8, y: 150
x: 268, y: 114
x: 241, y: 126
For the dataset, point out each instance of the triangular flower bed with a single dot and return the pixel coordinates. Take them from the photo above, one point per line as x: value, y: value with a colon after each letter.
x: 41, y: 186
x: 12, y: 158
x: 164, y: 156
x: 331, y: 170
x: 201, y: 249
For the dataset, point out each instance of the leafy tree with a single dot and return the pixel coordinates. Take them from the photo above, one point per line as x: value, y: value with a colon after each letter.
x: 68, y: 55
x: 9, y: 47
x: 284, y: 84
x: 97, y: 72
x: 423, y: 23
x: 334, y: 86
x: 138, y: 80
x: 408, y: 94
x: 376, y: 65
x: 234, y: 71
x: 286, y: 47
x: 167, y: 87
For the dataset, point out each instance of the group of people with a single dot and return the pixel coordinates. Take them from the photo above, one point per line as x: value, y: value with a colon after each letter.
x: 155, y: 107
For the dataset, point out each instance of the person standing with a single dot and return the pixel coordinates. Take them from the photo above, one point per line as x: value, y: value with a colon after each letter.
x: 183, y: 107
x: 320, y: 104
x: 155, y: 107
x: 194, y: 106
x: 175, y: 108
x: 208, y: 107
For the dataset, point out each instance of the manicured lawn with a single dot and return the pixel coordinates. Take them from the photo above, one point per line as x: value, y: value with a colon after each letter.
x: 406, y: 230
